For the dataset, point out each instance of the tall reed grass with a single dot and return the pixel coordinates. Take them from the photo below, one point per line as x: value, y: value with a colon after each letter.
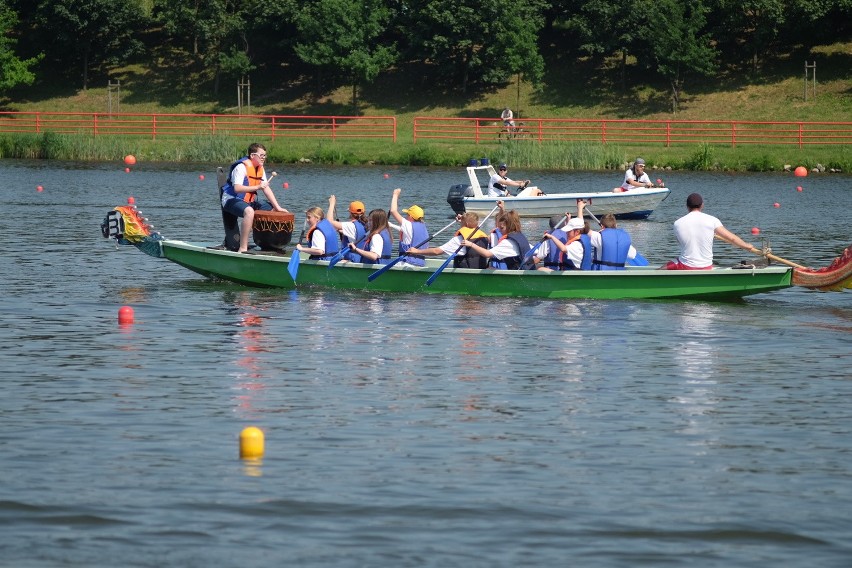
x: 223, y: 149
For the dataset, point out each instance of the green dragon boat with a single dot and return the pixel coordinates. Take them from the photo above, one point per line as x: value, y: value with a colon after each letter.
x: 273, y: 269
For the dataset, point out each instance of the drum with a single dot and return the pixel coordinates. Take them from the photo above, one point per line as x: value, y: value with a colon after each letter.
x: 272, y: 230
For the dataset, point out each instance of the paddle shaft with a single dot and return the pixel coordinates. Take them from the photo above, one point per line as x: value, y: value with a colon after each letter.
x: 770, y: 256
x: 387, y: 267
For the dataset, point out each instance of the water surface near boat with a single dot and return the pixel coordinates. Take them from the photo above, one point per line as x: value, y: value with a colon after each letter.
x: 404, y: 430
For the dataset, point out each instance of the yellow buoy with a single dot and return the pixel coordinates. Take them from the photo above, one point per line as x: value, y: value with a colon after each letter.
x: 251, y: 442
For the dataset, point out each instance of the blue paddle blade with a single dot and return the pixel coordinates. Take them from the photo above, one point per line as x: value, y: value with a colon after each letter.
x: 293, y: 265
x: 441, y: 268
x: 383, y: 269
x: 336, y: 258
x: 638, y: 261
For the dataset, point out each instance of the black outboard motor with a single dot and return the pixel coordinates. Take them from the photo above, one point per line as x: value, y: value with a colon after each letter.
x: 456, y: 197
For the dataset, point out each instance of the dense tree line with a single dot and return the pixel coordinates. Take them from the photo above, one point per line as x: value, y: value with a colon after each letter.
x: 460, y: 44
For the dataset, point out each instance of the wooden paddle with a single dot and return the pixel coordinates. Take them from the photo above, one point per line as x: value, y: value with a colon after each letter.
x: 387, y: 267
x: 461, y: 246
x: 770, y: 256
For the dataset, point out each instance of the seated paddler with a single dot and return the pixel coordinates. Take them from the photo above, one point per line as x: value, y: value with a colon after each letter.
x: 321, y: 235
x: 412, y: 230
x: 512, y: 247
x: 466, y: 257
x: 353, y: 231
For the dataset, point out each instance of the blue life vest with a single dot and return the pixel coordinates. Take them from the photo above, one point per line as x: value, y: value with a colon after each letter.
x: 385, y: 253
x: 615, y: 244
x: 586, y: 259
x: 332, y: 246
x: 555, y: 257
x: 419, y: 235
x: 516, y: 262
x: 360, y: 233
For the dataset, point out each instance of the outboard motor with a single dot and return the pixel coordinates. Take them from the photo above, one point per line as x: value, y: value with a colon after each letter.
x: 456, y: 197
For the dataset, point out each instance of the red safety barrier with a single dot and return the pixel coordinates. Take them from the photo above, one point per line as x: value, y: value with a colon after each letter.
x: 645, y: 132
x: 159, y: 125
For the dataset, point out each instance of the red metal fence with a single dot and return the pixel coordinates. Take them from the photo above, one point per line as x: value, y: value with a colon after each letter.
x: 645, y: 132
x: 476, y: 130
x: 159, y: 125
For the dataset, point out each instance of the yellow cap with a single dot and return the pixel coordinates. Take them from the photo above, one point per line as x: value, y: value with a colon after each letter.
x: 415, y: 211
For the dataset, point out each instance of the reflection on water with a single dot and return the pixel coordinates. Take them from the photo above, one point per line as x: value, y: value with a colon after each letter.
x: 412, y: 430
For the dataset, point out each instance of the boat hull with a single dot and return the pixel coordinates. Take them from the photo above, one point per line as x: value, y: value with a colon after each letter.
x: 270, y: 270
x: 637, y: 204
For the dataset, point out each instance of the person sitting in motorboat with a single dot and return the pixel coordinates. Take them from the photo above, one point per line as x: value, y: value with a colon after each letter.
x: 352, y: 231
x: 378, y: 244
x: 498, y: 185
x: 635, y: 177
x: 322, y: 236
x: 466, y: 257
x: 512, y: 248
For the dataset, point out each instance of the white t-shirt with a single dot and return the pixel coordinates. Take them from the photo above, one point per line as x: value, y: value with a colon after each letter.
x: 318, y: 240
x: 505, y: 249
x: 452, y: 245
x: 348, y: 230
x: 629, y: 175
x: 574, y: 252
x: 493, y: 191
x: 695, y: 232
x: 407, y: 233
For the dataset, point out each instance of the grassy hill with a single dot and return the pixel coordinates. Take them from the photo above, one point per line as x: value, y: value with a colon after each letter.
x: 580, y: 89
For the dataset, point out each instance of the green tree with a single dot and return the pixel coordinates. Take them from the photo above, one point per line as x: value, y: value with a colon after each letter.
x: 13, y: 70
x: 345, y: 35
x: 677, y: 44
x: 478, y: 41
x: 92, y: 33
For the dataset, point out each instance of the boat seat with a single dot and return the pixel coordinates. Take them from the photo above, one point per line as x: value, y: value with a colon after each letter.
x: 229, y: 220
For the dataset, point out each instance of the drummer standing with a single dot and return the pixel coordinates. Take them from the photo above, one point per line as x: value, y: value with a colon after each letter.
x: 239, y: 194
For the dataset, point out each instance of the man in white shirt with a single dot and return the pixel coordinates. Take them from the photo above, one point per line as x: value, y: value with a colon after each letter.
x: 498, y: 185
x: 695, y: 232
x: 635, y: 176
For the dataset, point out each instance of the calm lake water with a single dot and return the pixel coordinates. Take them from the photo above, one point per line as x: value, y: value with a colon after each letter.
x: 404, y: 430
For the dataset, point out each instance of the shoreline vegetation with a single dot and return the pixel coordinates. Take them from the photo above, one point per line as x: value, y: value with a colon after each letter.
x: 545, y: 156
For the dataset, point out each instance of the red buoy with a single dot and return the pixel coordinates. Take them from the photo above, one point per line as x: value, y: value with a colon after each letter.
x: 39, y: 188
x: 798, y: 188
x: 286, y: 185
x: 127, y: 170
x: 776, y: 205
x: 755, y: 231
x: 125, y: 314
x: 801, y: 171
x: 386, y: 176
x: 201, y: 177
x: 131, y: 200
x: 130, y: 159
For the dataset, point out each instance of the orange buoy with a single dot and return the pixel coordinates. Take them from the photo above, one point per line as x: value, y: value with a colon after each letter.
x: 125, y: 314
x: 251, y: 442
x: 801, y: 171
x: 131, y: 200
x: 130, y: 159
